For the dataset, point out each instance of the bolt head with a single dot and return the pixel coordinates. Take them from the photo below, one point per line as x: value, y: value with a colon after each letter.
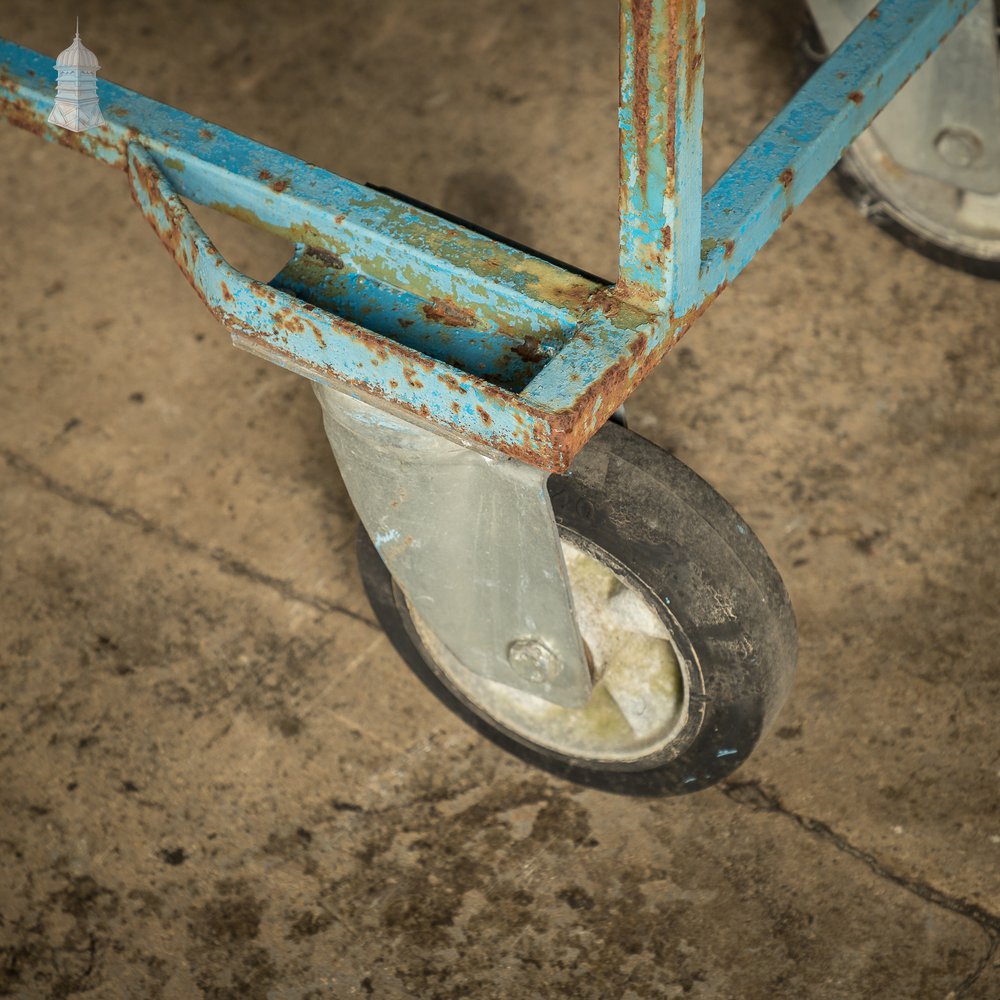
x: 958, y: 147
x: 533, y: 661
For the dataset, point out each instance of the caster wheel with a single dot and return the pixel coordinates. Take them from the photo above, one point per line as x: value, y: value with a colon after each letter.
x: 688, y: 626
x: 953, y: 227
x: 948, y: 224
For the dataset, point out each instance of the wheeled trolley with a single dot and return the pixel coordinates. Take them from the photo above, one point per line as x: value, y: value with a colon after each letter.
x: 569, y: 588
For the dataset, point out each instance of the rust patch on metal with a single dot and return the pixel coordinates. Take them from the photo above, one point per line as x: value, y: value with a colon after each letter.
x: 147, y: 179
x: 328, y: 257
x: 484, y: 416
x: 405, y: 323
x: 670, y: 82
x: 593, y: 406
x: 452, y: 383
x: 206, y: 133
x: 694, y: 57
x: 448, y: 313
x: 730, y: 246
x: 573, y: 427
x: 287, y: 319
x: 786, y: 177
x: 410, y: 374
x: 537, y: 450
x: 20, y: 113
x: 623, y: 192
x: 856, y: 96
x: 576, y: 296
x: 265, y: 175
x: 422, y: 361
x: 642, y: 26
x: 226, y: 293
x: 529, y: 349
x: 279, y: 185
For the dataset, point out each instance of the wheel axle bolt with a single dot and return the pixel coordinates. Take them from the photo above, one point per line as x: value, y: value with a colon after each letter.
x: 532, y: 660
x: 958, y: 147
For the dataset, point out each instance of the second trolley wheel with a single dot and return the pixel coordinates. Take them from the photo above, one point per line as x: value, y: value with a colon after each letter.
x: 686, y: 621
x: 948, y: 224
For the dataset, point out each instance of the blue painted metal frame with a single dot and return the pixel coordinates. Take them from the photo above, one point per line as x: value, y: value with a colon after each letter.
x: 482, y: 340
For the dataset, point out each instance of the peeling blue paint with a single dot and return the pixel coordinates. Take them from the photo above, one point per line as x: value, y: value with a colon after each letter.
x: 384, y: 537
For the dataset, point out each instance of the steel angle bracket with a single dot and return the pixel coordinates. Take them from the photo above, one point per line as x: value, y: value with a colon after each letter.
x: 471, y: 541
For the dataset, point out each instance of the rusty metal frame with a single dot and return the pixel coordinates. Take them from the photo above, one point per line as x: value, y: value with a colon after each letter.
x: 483, y: 341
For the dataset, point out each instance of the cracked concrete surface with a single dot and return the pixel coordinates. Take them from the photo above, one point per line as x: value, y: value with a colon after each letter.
x: 216, y: 777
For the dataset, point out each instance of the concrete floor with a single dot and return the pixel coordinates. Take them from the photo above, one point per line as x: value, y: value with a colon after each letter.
x: 218, y: 779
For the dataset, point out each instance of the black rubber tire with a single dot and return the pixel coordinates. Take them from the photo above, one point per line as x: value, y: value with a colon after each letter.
x: 867, y: 197
x: 655, y: 522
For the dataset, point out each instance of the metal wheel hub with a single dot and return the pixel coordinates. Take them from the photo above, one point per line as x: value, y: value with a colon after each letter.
x: 962, y: 221
x: 638, y: 702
